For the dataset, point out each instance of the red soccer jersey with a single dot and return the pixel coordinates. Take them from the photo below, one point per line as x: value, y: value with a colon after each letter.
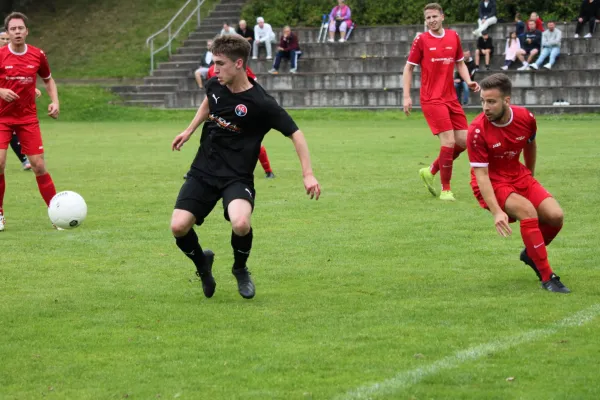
x: 499, y: 147
x: 437, y: 56
x: 18, y: 73
x: 211, y: 72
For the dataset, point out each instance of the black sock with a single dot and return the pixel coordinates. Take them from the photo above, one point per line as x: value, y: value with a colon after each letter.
x: 241, y: 249
x: 191, y: 248
x: 16, y: 146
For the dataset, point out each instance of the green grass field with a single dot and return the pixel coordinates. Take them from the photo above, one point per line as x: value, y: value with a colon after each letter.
x: 375, y: 291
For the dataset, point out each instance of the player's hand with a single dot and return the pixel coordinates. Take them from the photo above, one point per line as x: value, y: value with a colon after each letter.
x: 312, y: 187
x: 407, y: 105
x: 474, y: 86
x: 8, y: 95
x: 580, y: 19
x: 501, y: 223
x: 53, y: 110
x: 180, y: 140
x: 38, y: 93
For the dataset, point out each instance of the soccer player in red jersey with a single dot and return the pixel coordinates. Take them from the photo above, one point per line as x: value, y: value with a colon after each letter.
x: 19, y: 66
x: 437, y: 52
x: 262, y: 156
x: 505, y: 186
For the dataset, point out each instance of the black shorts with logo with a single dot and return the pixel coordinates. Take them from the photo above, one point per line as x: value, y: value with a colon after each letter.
x: 200, y: 195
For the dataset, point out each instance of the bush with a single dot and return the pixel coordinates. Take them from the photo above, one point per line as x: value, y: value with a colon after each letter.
x: 396, y: 12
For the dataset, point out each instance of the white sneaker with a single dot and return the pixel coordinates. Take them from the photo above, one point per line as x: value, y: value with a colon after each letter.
x: 476, y: 32
x: 255, y: 58
x: 534, y: 66
x: 293, y: 70
x: 2, y: 222
x: 342, y: 40
x: 589, y: 35
x: 565, y: 103
x: 524, y: 67
x: 330, y: 40
x: 548, y: 66
x: 504, y: 68
x: 269, y: 58
x: 576, y: 36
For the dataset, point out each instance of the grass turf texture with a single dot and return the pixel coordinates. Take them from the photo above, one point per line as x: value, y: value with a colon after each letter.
x: 106, y: 39
x: 374, y: 279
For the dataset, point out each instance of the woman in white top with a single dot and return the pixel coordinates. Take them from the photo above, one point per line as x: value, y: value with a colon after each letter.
x: 513, y: 44
x: 228, y: 29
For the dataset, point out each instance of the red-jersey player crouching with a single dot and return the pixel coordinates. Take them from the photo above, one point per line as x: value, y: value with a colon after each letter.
x: 506, y: 187
x: 20, y: 64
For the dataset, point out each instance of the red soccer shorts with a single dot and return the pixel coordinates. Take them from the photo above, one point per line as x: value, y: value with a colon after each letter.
x: 527, y: 186
x: 442, y: 117
x: 29, y: 135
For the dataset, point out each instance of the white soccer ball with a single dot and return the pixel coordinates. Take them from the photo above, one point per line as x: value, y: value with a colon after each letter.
x: 67, y: 210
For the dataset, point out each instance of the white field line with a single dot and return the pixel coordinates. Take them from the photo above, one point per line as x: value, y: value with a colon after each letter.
x: 406, y: 379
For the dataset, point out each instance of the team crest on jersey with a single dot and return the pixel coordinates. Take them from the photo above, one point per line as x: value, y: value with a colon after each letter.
x: 241, y: 110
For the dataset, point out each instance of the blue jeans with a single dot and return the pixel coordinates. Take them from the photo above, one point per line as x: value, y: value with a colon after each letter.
x: 553, y: 52
x: 465, y: 92
x: 293, y: 55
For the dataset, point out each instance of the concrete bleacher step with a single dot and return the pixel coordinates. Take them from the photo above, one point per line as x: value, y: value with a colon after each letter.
x: 390, y: 64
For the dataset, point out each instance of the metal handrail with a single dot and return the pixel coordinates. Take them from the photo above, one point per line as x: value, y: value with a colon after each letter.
x: 168, y: 28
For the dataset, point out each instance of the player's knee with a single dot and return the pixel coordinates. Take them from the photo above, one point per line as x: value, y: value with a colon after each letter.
x: 241, y: 226
x: 179, y: 227
x: 528, y: 211
x: 555, y: 217
x: 38, y: 166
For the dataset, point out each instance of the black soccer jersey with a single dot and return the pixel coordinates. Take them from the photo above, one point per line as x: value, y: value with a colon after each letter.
x: 236, y: 125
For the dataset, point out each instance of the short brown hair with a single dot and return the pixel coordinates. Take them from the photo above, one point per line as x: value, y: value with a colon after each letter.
x: 233, y: 47
x: 497, y: 81
x: 15, y: 15
x: 433, y: 6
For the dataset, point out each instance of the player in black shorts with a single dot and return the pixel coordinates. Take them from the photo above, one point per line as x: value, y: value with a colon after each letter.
x: 238, y: 114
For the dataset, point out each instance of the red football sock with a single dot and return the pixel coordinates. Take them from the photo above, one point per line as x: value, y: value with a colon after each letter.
x: 445, y: 161
x: 536, y: 246
x: 2, y: 190
x: 264, y: 160
x: 46, y: 187
x: 549, y: 232
x: 435, y: 167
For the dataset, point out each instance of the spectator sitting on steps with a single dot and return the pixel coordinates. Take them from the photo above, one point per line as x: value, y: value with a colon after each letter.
x: 485, y: 46
x: 487, y: 16
x: 588, y: 13
x: 244, y: 31
x: 288, y: 48
x: 530, y: 45
x: 513, y: 45
x: 206, y: 60
x: 550, y: 46
x: 227, y: 29
x: 339, y: 20
x: 539, y: 24
x: 263, y: 36
x: 462, y: 89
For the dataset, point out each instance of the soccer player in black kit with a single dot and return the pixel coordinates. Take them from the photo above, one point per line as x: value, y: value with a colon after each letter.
x: 238, y: 114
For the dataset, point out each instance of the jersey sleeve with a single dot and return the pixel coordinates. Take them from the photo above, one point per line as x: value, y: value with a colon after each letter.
x: 416, y: 51
x: 476, y: 147
x: 44, y: 70
x: 458, y: 56
x: 279, y: 119
x: 533, y: 128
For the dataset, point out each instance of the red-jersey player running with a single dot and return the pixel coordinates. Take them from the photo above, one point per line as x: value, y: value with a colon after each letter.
x: 505, y: 186
x: 437, y: 52
x: 262, y: 156
x: 19, y: 66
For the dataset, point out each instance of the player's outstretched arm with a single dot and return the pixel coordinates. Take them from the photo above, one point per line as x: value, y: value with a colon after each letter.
x: 310, y: 182
x: 53, y: 107
x: 530, y: 156
x: 463, y: 71
x: 407, y: 76
x: 487, y: 191
x: 200, y: 117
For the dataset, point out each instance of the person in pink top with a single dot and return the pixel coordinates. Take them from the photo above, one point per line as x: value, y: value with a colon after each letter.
x: 339, y: 20
x: 513, y: 45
